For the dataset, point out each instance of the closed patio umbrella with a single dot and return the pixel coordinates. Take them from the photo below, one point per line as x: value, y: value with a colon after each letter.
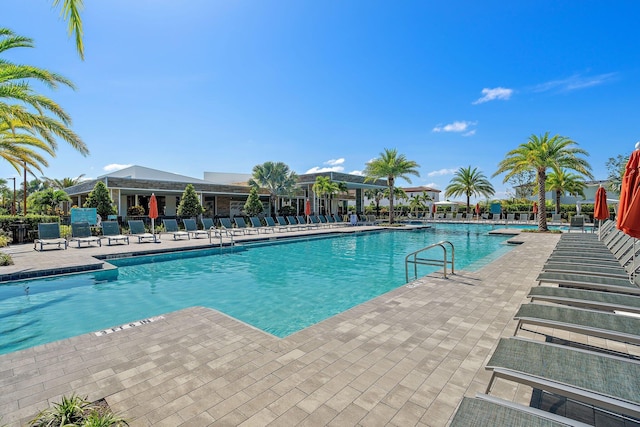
x: 600, y: 208
x: 153, y: 213
x: 307, y: 209
x: 478, y: 210
x: 628, y: 222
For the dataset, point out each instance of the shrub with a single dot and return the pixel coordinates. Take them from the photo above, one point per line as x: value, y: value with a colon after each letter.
x: 100, y: 199
x: 77, y: 411
x: 189, y: 203
x: 5, y: 259
x: 135, y: 210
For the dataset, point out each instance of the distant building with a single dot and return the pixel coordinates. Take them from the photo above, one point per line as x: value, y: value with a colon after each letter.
x: 221, y: 194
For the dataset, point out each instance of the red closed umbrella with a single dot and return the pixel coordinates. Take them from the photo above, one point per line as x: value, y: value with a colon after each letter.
x: 629, y: 207
x: 307, y: 208
x: 600, y: 208
x: 153, y: 213
x: 535, y: 208
x: 478, y: 210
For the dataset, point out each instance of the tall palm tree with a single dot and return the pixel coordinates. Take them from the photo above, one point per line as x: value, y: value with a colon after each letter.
x: 390, y: 165
x: 540, y: 153
x: 63, y: 183
x: 326, y: 188
x: 375, y: 195
x: 20, y: 147
x: 71, y: 13
x: 277, y: 178
x: 469, y: 182
x: 562, y: 181
x: 25, y: 112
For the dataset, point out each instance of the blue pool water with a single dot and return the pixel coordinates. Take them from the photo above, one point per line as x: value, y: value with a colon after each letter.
x: 280, y: 287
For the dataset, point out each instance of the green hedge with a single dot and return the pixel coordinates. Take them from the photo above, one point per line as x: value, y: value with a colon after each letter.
x: 32, y: 221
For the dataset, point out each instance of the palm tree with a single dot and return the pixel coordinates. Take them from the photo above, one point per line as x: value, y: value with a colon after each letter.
x: 390, y: 165
x: 71, y: 13
x: 469, y: 182
x: 62, y: 183
x: 277, y: 178
x: 17, y: 144
x: 375, y: 195
x: 327, y: 188
x: 562, y: 181
x: 44, y: 121
x: 540, y: 153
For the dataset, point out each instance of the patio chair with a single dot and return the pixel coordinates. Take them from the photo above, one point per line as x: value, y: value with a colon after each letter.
x: 136, y: 228
x: 339, y: 221
x: 490, y: 411
x: 588, y: 281
x: 111, y: 232
x: 577, y: 221
x: 242, y: 225
x: 272, y: 224
x: 303, y: 222
x: 171, y: 227
x: 282, y: 222
x: 556, y: 219
x: 191, y: 227
x: 604, y: 301
x: 603, y: 380
x: 293, y: 223
x: 49, y: 234
x: 81, y: 233
x: 510, y: 218
x: 584, y: 321
x: 228, y: 228
x: 315, y: 222
x: 257, y: 224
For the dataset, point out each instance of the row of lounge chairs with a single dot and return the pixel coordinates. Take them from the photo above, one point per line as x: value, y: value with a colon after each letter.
x: 595, y: 293
x: 49, y: 233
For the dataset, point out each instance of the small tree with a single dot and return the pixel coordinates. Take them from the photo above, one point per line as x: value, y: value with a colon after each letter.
x: 190, y: 203
x: 46, y: 201
x: 100, y: 199
x: 253, y: 205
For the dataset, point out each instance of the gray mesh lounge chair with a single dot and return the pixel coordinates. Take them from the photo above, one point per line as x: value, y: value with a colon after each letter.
x: 293, y: 223
x: 136, y: 228
x: 587, y: 281
x: 272, y: 224
x: 81, y: 233
x: 303, y: 223
x: 242, y: 225
x: 490, y: 411
x: 257, y: 224
x: 49, y: 234
x: 602, y: 380
x: 577, y: 222
x: 587, y: 322
x: 171, y: 227
x: 228, y: 228
x: 191, y: 227
x: 282, y: 222
x: 605, y: 301
x: 111, y: 232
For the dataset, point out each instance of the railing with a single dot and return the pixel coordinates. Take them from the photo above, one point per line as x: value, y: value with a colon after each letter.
x: 213, y: 231
x: 413, y: 258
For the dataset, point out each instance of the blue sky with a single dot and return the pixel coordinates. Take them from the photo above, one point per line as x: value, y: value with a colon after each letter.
x: 200, y: 85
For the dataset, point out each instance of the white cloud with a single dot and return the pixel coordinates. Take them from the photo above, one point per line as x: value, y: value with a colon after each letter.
x: 442, y: 172
x: 432, y: 185
x: 493, y: 94
x: 460, y: 126
x: 359, y: 173
x: 334, y: 162
x: 574, y: 82
x: 470, y: 133
x: 114, y: 167
x: 317, y: 169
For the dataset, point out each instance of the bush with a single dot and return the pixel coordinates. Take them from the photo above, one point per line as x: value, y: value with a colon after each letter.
x: 135, y: 210
x: 5, y: 259
x: 77, y: 411
x: 189, y: 203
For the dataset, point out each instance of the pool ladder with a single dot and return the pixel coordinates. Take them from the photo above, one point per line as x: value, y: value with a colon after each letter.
x: 212, y: 231
x: 415, y: 259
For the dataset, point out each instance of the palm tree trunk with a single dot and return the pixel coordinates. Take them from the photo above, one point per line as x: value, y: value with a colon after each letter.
x: 542, y: 202
x: 558, y: 195
x: 390, y: 204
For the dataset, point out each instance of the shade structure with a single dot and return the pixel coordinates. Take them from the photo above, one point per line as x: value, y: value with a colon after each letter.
x: 629, y: 208
x: 307, y: 208
x: 153, y: 213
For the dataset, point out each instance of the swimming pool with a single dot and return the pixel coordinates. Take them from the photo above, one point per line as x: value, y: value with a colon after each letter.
x: 279, y: 287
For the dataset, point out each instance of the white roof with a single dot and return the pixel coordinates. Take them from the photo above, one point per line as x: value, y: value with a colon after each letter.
x: 140, y: 172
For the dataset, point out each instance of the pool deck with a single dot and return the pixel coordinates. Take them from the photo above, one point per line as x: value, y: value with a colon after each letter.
x: 405, y: 358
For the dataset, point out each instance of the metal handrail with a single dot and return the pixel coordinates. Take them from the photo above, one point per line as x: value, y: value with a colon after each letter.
x: 214, y: 230
x: 429, y: 261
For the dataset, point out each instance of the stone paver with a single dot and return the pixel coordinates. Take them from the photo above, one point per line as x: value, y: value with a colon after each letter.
x: 405, y: 358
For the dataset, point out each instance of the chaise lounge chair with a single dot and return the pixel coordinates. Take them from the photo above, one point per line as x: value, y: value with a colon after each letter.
x: 171, y: 227
x: 192, y: 229
x: 603, y: 380
x: 577, y: 221
x: 111, y: 232
x: 490, y: 411
x: 81, y: 233
x: 228, y: 228
x: 605, y: 301
x: 583, y: 321
x: 242, y: 225
x: 257, y: 224
x: 272, y: 224
x: 49, y: 234
x: 136, y: 228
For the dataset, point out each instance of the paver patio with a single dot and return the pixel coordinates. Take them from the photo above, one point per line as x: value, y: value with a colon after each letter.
x: 405, y: 358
